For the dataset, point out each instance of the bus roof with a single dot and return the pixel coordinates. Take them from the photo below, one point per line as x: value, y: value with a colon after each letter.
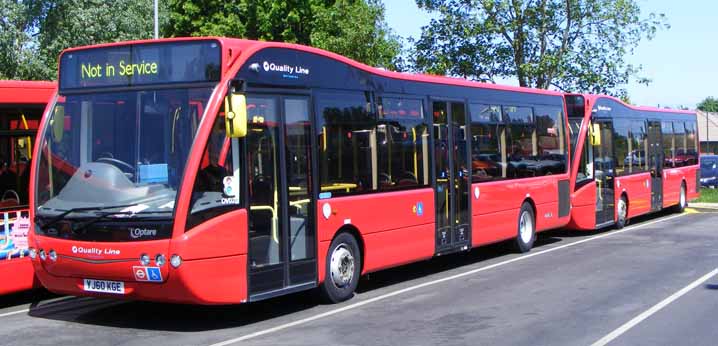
x: 26, y: 92
x: 593, y: 98
x: 247, y: 48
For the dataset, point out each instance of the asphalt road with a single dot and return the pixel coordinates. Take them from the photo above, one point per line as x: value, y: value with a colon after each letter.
x: 652, y: 283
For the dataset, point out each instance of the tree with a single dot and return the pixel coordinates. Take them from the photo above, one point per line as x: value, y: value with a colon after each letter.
x: 15, y: 39
x: 570, y: 45
x: 354, y: 28
x: 709, y: 104
x: 43, y: 28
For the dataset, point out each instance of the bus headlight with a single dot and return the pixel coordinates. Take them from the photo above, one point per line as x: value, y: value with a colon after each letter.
x: 52, y: 255
x: 160, y: 260
x: 176, y: 261
x: 42, y: 255
x: 32, y: 253
x: 145, y: 259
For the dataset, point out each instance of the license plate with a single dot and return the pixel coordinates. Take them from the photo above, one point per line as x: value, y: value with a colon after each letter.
x: 104, y: 286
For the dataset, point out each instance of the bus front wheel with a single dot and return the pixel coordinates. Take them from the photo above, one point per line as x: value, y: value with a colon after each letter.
x: 343, y: 268
x: 526, y: 229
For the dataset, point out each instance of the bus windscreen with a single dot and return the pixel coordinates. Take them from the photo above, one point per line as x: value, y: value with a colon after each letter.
x: 141, y: 64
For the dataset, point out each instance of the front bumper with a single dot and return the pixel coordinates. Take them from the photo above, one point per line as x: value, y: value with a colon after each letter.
x: 206, y: 281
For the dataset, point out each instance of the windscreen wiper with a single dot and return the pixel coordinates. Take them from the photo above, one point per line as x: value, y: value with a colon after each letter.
x: 104, y: 216
x: 64, y: 214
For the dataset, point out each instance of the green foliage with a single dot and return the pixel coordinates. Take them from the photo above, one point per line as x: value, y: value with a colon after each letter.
x: 354, y: 28
x: 14, y: 39
x: 708, y: 196
x: 41, y: 29
x: 34, y: 32
x: 709, y: 104
x: 571, y: 45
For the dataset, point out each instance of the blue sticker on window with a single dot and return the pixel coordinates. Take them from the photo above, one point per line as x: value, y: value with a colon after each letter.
x: 153, y: 173
x: 325, y: 195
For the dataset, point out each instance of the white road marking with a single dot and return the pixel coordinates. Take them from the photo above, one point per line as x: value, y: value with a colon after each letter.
x: 646, y: 314
x: 432, y: 283
x: 14, y: 313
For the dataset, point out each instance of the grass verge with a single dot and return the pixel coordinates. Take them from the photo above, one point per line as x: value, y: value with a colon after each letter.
x: 708, y: 196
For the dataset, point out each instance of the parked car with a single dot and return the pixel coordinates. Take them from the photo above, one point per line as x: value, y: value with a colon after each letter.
x: 709, y: 170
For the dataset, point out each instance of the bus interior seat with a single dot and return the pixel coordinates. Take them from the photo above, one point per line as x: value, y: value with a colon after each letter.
x: 407, y: 179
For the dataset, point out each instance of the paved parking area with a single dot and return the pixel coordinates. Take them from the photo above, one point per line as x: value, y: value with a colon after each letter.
x: 652, y: 283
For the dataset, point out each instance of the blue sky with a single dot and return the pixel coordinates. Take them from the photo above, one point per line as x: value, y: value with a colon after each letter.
x: 681, y: 61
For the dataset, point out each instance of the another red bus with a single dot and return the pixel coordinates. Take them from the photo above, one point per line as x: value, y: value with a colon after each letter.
x: 21, y: 106
x: 215, y: 171
x: 629, y: 160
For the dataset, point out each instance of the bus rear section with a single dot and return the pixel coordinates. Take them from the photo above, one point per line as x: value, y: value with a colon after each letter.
x: 629, y: 161
x: 21, y: 107
x: 225, y: 171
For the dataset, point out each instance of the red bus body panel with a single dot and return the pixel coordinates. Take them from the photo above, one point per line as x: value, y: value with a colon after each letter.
x: 496, y: 209
x: 17, y: 273
x: 15, y: 92
x: 583, y: 210
x: 637, y: 188
x: 392, y: 231
x: 213, y: 270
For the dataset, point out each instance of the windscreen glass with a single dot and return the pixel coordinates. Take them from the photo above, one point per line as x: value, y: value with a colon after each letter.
x: 125, y: 149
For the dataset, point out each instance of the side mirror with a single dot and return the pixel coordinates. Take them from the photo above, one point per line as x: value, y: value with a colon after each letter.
x: 235, y: 118
x: 58, y: 123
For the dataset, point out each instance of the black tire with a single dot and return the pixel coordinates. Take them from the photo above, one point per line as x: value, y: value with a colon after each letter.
x: 682, y: 200
x: 335, y: 290
x: 522, y: 243
x: 622, y: 214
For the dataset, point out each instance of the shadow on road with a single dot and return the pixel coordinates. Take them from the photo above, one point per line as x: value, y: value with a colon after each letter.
x: 27, y: 297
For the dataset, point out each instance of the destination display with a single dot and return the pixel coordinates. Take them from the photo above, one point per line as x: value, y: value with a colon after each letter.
x: 141, y: 64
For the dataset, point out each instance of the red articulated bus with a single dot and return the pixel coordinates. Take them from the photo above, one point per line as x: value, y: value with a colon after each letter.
x: 629, y: 161
x: 21, y: 107
x: 214, y: 171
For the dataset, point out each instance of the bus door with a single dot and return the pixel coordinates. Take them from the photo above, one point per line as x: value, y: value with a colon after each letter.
x: 282, y: 254
x: 604, y: 170
x: 453, y: 229
x: 655, y: 164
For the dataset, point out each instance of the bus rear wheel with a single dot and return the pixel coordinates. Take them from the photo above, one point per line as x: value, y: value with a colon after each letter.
x: 526, y: 229
x: 682, y: 200
x: 622, y: 213
x: 343, y: 268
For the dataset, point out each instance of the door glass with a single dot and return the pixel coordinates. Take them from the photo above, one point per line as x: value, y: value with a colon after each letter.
x: 441, y: 168
x: 604, y: 167
x: 655, y: 163
x: 655, y: 152
x: 265, y: 234
x: 301, y: 235
x: 461, y: 171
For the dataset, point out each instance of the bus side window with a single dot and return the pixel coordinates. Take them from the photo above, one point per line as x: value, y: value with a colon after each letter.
x: 552, y: 153
x: 523, y: 143
x: 402, y: 144
x: 488, y: 143
x: 346, y: 127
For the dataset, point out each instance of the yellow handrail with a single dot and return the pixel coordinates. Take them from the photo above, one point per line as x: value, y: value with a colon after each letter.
x: 29, y: 140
